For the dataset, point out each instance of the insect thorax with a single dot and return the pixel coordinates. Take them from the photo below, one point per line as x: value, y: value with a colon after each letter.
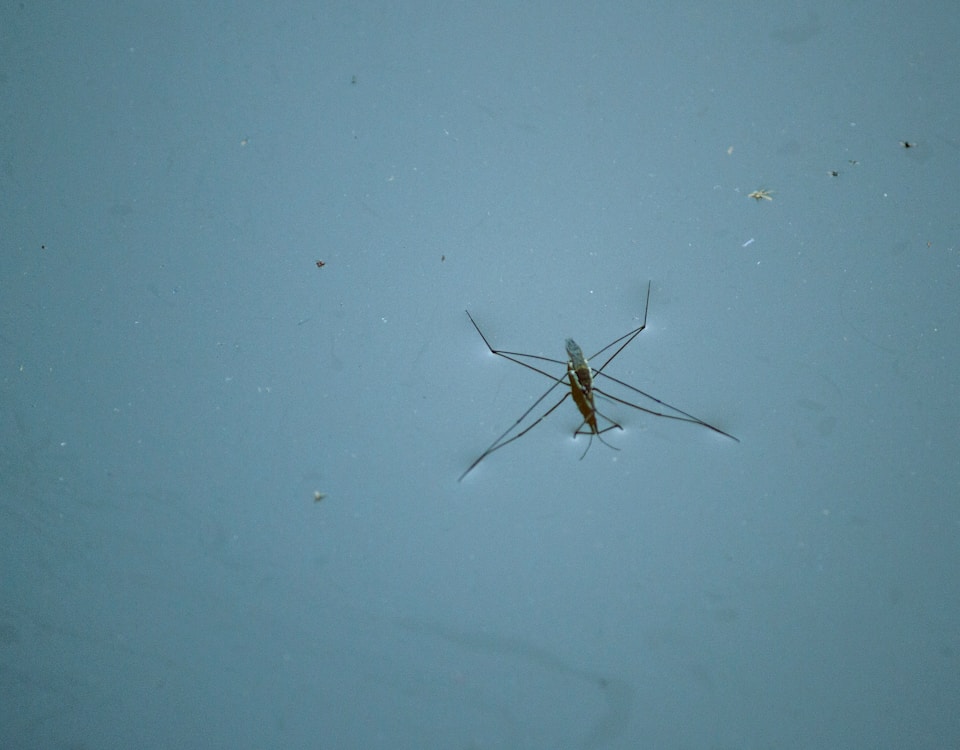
x: 578, y: 364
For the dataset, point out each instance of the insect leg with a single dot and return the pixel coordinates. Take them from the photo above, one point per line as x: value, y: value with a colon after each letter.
x: 500, y: 442
x: 680, y: 416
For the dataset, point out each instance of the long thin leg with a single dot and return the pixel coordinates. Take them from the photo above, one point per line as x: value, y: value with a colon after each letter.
x: 629, y: 336
x: 686, y: 417
x: 510, y: 355
x: 497, y: 444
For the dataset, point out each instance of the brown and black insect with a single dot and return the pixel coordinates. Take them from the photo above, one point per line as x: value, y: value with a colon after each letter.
x: 580, y: 377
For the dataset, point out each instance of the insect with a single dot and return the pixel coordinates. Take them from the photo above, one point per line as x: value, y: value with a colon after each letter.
x: 581, y: 377
x: 320, y: 264
x: 761, y: 195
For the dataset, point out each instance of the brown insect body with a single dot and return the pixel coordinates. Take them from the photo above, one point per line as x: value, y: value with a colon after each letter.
x: 581, y: 386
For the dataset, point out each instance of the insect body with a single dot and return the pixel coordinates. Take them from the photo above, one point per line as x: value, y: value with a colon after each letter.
x: 581, y: 388
x: 581, y: 383
x: 580, y: 377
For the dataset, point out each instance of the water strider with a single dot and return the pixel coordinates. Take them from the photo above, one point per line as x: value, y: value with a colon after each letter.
x: 580, y: 377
